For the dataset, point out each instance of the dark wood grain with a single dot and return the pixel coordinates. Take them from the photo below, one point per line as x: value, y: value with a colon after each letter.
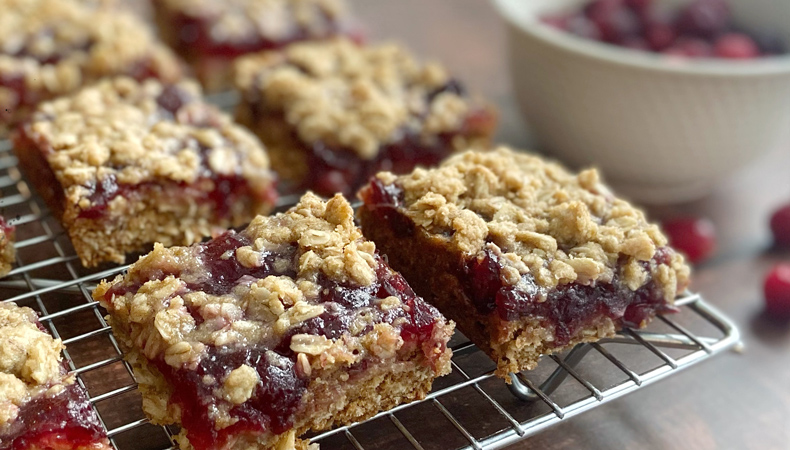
x: 734, y: 401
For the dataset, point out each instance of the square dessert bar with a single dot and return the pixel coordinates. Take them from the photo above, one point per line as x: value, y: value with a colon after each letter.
x: 332, y: 114
x: 294, y: 324
x: 209, y: 34
x: 125, y: 164
x: 49, y: 48
x: 7, y: 253
x: 526, y: 257
x: 42, y: 407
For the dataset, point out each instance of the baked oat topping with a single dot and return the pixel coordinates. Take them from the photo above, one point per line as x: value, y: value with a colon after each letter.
x: 538, y: 219
x: 29, y: 361
x: 129, y: 133
x: 349, y: 96
x: 235, y: 21
x: 245, y: 321
x: 53, y: 47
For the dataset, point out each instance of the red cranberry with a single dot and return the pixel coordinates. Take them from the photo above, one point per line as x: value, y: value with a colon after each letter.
x: 639, y: 5
x: 736, y: 46
x: 705, y: 18
x: 615, y: 21
x: 691, y: 48
x: 660, y: 36
x: 780, y: 225
x: 696, y: 237
x: 584, y: 28
x: 777, y: 291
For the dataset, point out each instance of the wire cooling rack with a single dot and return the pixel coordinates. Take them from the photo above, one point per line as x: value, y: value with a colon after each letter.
x: 468, y: 409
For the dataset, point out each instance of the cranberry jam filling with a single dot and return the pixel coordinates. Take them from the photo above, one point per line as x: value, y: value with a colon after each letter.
x: 568, y: 308
x: 277, y: 397
x: 218, y: 190
x: 65, y: 421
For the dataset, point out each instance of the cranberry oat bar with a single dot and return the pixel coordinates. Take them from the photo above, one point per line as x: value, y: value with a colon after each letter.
x: 294, y: 324
x: 7, y: 253
x: 334, y: 113
x: 42, y: 407
x: 125, y: 164
x: 50, y: 48
x: 526, y: 257
x: 209, y: 34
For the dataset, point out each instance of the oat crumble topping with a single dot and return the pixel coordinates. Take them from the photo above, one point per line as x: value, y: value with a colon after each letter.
x: 296, y: 298
x: 255, y: 310
x: 124, y: 130
x: 276, y: 20
x: 30, y: 363
x: 56, y: 46
x: 350, y: 96
x: 543, y: 220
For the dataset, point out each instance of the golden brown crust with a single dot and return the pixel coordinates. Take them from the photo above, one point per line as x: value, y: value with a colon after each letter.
x: 557, y: 226
x: 352, y: 97
x: 57, y: 46
x: 7, y: 251
x: 119, y: 132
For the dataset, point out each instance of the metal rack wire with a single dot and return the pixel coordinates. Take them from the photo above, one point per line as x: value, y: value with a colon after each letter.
x: 469, y: 409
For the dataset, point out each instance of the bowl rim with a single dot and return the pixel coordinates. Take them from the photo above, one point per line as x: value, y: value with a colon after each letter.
x: 621, y: 56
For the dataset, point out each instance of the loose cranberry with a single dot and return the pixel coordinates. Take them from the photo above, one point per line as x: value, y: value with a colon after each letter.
x: 780, y: 225
x: 660, y: 36
x: 736, y: 46
x: 691, y: 48
x: 705, y: 18
x: 696, y: 237
x: 777, y: 291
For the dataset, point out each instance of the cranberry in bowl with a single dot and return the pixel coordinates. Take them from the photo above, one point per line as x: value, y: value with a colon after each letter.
x: 663, y: 128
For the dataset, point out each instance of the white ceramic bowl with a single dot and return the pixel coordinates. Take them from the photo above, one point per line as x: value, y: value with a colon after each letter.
x: 661, y: 129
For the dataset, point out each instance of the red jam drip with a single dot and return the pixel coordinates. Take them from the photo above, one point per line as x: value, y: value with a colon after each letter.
x: 226, y: 191
x: 278, y: 396
x: 568, y: 307
x: 66, y: 421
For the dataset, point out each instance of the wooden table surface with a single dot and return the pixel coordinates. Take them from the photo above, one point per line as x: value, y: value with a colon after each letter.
x: 733, y: 401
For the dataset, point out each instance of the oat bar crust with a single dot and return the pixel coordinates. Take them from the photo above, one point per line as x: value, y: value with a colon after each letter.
x: 349, y: 105
x: 50, y: 48
x: 294, y: 324
x: 125, y: 164
x: 526, y: 257
x: 210, y: 34
x: 7, y: 252
x: 41, y: 405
